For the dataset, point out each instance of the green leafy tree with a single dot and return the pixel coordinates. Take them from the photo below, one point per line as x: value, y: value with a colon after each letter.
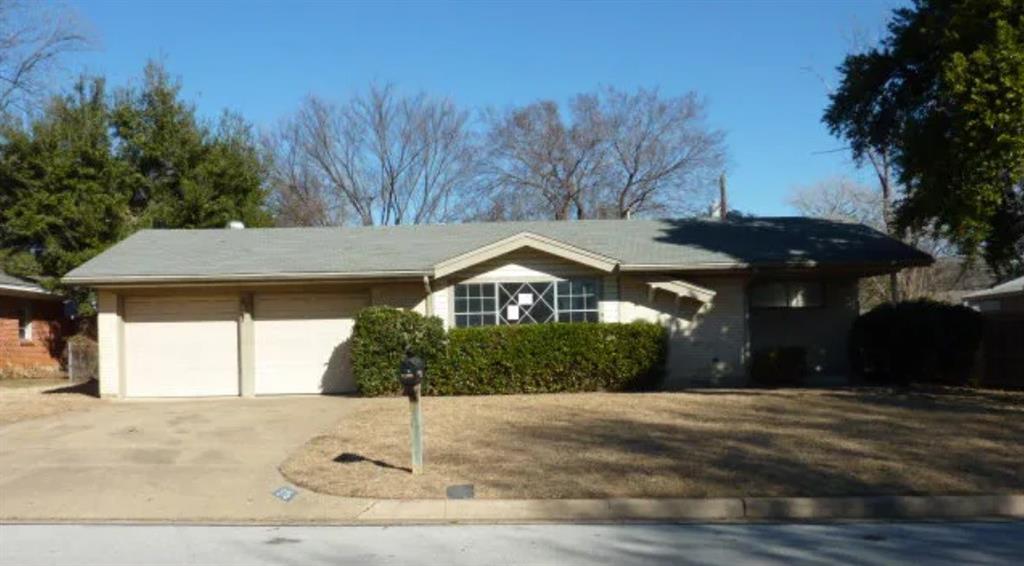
x: 92, y: 168
x: 944, y: 93
x: 186, y: 174
x: 63, y: 196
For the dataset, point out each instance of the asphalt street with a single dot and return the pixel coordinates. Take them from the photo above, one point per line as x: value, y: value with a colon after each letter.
x: 845, y: 543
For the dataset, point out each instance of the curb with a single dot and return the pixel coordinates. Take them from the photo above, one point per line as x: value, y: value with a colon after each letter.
x: 706, y: 510
x: 620, y: 510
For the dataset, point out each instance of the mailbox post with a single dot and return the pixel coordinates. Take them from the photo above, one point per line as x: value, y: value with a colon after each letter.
x: 410, y: 374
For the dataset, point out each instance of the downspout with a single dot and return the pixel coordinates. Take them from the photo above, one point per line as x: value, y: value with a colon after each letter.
x: 428, y: 308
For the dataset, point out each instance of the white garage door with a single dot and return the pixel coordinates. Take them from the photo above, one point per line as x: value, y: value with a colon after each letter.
x: 302, y: 342
x: 181, y: 346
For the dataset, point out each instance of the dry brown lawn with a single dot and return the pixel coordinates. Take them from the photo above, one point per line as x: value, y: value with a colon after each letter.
x: 33, y: 398
x: 707, y: 444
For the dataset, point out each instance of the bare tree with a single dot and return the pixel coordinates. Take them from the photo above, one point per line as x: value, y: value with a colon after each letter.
x: 614, y: 154
x: 32, y: 40
x: 661, y: 154
x: 378, y: 158
x: 541, y: 163
x: 298, y: 195
x: 840, y: 199
x: 844, y: 200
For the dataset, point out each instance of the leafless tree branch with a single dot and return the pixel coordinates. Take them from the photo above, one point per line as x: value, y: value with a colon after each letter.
x: 32, y: 40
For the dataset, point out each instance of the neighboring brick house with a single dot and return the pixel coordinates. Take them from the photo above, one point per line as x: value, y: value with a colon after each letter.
x: 32, y: 325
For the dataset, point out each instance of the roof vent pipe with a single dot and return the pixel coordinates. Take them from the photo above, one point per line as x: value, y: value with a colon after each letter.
x: 235, y: 225
x: 723, y: 201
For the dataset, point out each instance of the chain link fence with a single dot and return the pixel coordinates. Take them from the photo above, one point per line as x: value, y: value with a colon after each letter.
x: 83, y: 359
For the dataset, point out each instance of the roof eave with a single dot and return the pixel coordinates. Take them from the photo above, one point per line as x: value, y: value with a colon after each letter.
x: 741, y: 265
x: 27, y: 291
x: 238, y: 277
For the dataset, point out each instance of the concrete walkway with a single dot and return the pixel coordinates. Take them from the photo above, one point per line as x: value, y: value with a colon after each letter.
x: 612, y: 545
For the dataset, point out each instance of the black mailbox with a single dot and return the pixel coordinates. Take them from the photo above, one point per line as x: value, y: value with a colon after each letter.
x: 410, y: 372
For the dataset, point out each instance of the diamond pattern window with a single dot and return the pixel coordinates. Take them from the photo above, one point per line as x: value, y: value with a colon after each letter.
x: 478, y: 304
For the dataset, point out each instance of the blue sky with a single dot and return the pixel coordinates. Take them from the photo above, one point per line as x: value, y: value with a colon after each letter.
x: 747, y: 58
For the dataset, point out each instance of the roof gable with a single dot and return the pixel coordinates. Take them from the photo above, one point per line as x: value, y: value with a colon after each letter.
x: 520, y: 241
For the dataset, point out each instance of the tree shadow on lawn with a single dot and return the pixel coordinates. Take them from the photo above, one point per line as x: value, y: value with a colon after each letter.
x: 825, y: 450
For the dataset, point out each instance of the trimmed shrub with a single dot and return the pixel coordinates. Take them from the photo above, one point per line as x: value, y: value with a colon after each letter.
x: 379, y: 341
x: 550, y: 358
x: 919, y: 341
x: 775, y: 367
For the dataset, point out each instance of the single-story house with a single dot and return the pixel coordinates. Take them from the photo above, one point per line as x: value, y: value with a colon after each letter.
x: 1002, y: 306
x: 1007, y: 297
x: 32, y: 325
x: 269, y: 311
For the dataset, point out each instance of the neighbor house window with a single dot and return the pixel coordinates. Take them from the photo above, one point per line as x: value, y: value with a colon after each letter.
x: 478, y: 304
x: 787, y: 295
x: 25, y: 322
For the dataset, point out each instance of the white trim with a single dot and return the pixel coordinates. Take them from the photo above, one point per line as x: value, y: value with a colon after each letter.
x: 525, y: 240
x: 297, y: 276
x: 681, y: 289
x: 28, y: 290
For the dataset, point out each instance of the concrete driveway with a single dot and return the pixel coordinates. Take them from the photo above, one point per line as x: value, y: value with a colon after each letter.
x: 166, y: 460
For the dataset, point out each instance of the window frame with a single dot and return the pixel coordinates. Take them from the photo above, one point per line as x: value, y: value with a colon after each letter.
x: 469, y: 297
x: 556, y: 316
x: 25, y: 330
x: 788, y: 287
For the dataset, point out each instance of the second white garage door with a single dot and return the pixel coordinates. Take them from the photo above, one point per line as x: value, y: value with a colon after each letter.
x: 181, y: 346
x: 302, y: 342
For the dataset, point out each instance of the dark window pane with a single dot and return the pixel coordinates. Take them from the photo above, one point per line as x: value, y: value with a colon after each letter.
x: 460, y: 304
x: 474, y: 305
x: 591, y: 302
x: 460, y: 320
x: 591, y: 316
x: 563, y: 287
x: 547, y: 293
x: 487, y: 305
x: 577, y: 303
x: 487, y: 290
x: 460, y: 291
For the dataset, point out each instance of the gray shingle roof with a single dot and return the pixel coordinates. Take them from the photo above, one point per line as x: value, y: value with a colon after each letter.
x: 414, y: 250
x: 1011, y: 287
x: 17, y: 283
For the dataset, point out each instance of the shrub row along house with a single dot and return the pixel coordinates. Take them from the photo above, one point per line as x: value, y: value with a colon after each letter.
x: 270, y: 311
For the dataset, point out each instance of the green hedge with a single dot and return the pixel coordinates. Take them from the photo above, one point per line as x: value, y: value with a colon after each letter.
x: 919, y: 341
x: 379, y: 340
x: 550, y: 358
x: 542, y: 358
